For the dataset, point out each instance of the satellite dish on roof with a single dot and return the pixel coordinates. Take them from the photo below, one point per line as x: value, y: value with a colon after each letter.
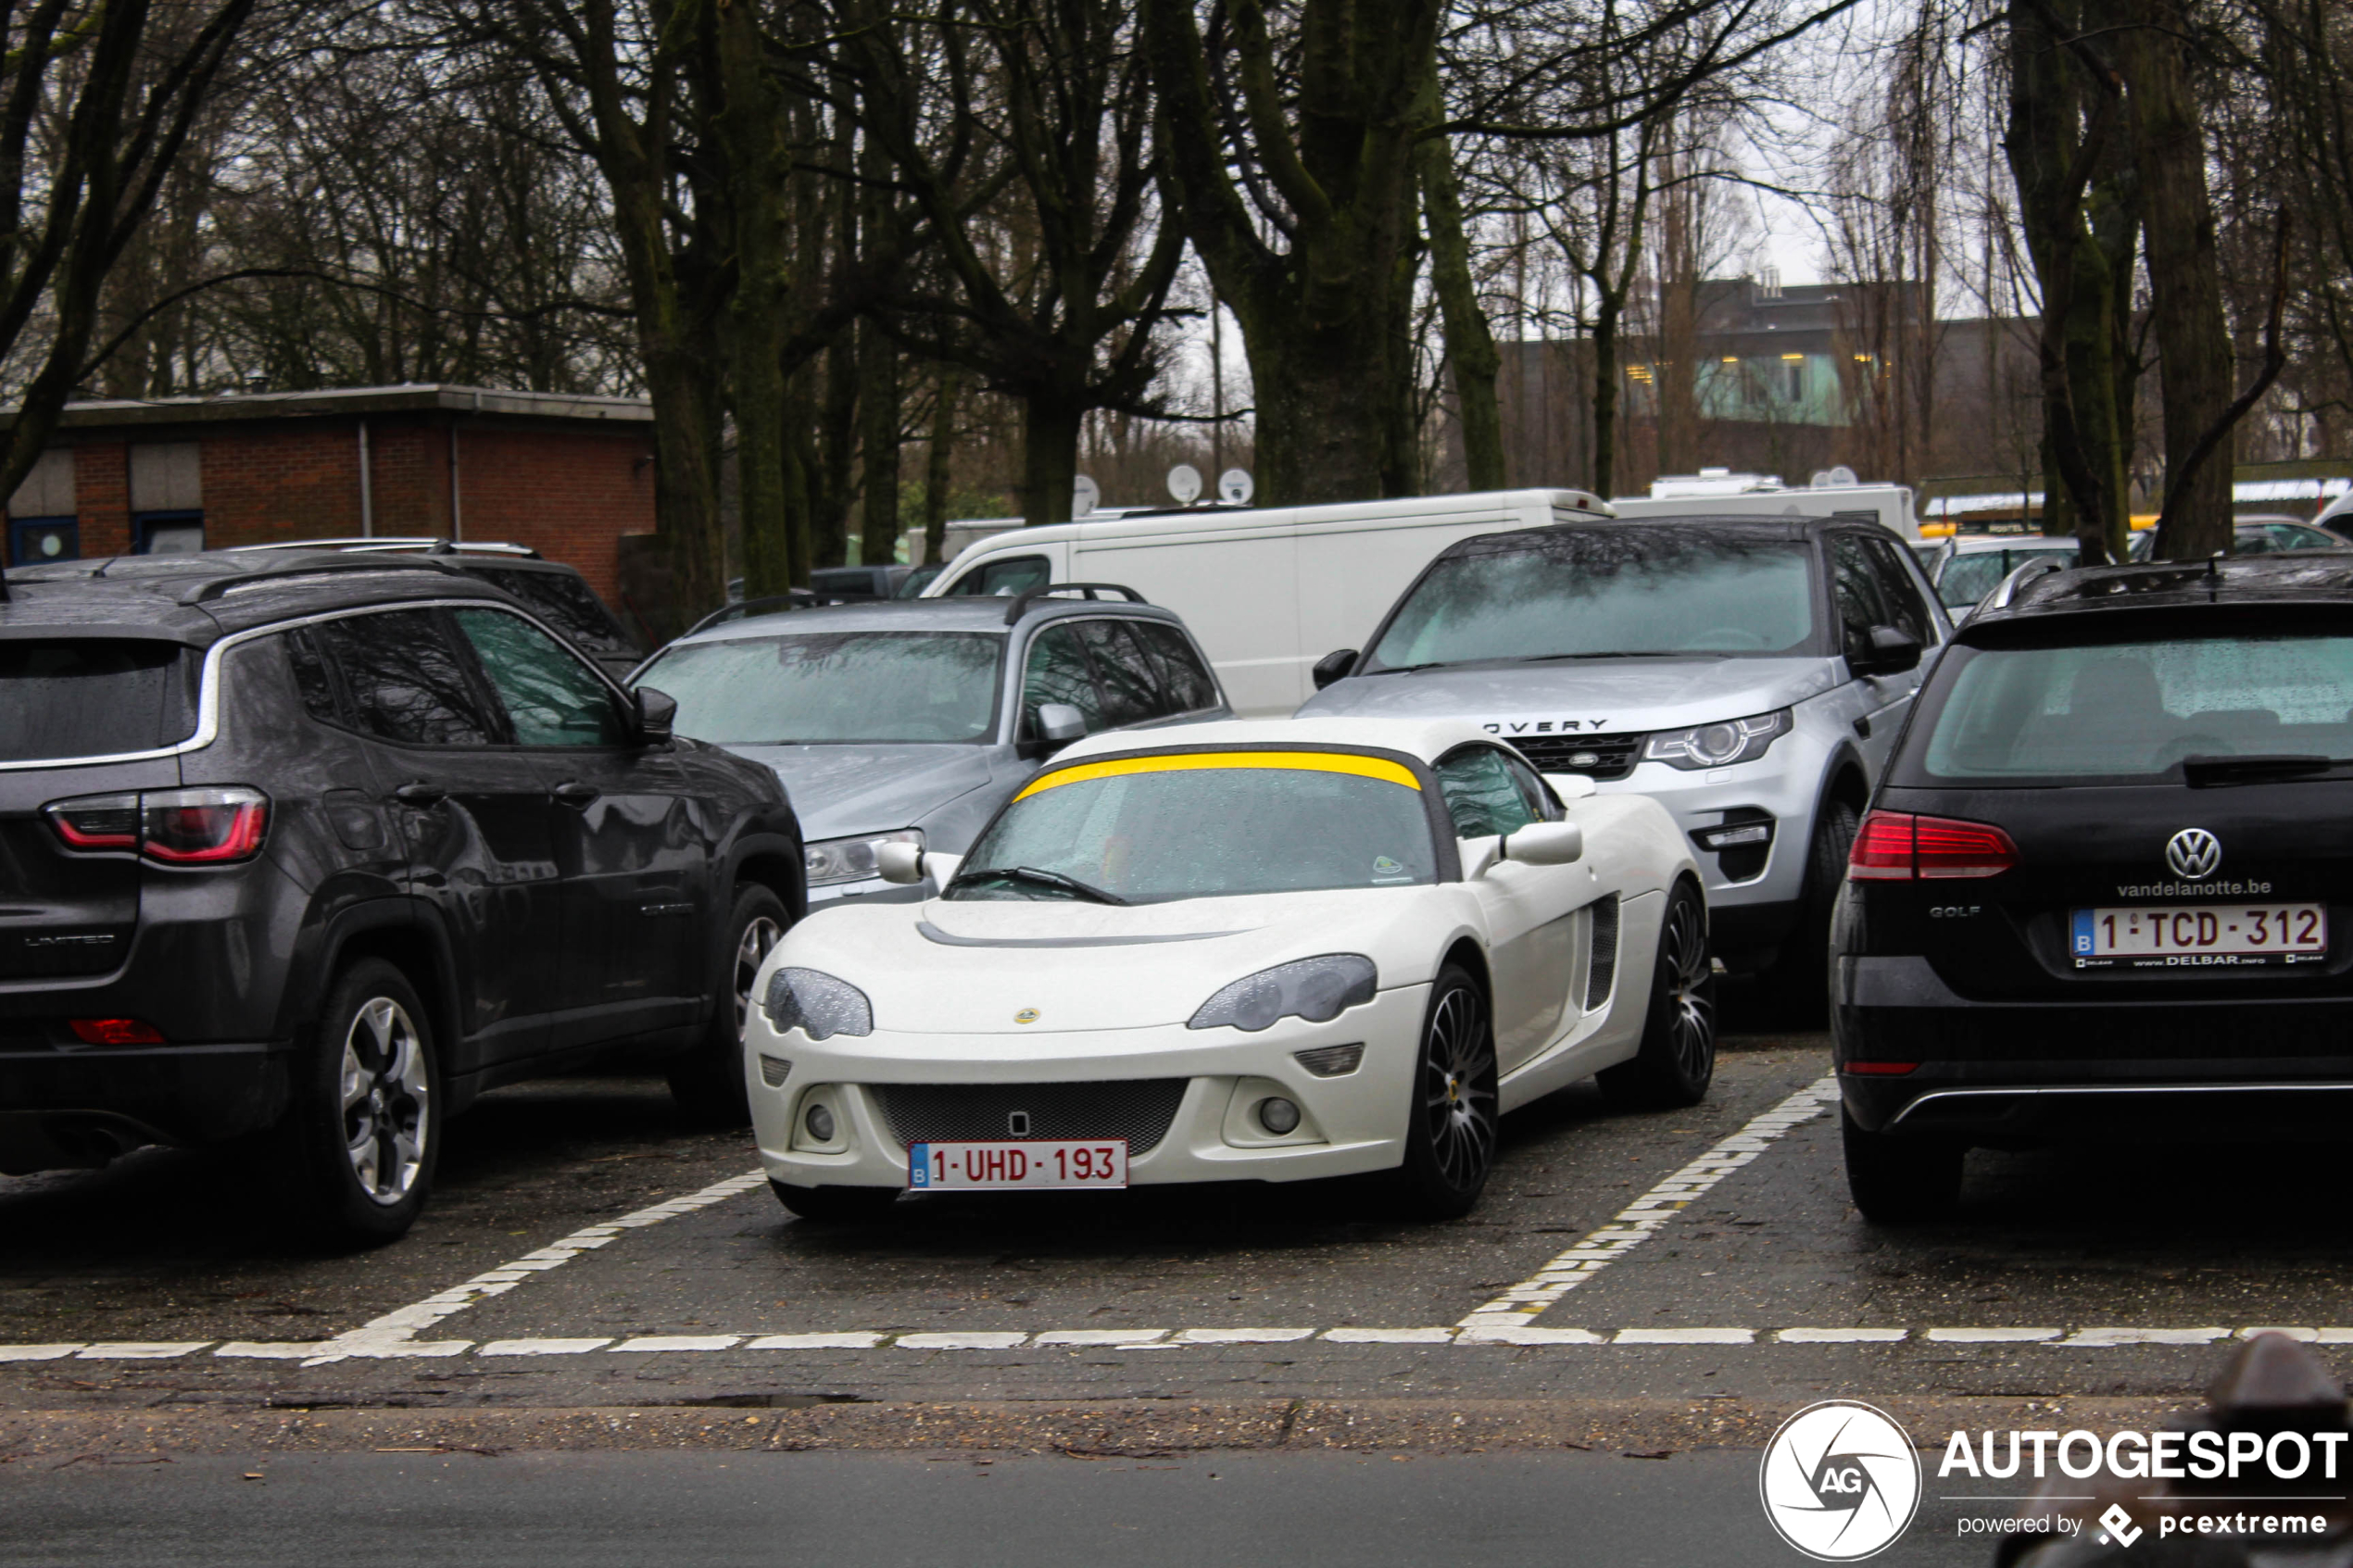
x: 1236, y: 485
x: 1085, y: 496
x: 1839, y: 478
x: 1183, y: 482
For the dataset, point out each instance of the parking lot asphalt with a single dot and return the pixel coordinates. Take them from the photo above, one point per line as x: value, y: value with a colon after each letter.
x: 1720, y: 1277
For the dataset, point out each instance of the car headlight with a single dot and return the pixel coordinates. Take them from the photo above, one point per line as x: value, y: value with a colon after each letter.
x: 852, y: 860
x: 1315, y: 989
x: 818, y: 1003
x: 1718, y: 746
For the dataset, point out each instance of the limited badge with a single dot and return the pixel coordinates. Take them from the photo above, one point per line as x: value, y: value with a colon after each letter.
x: 1026, y: 1015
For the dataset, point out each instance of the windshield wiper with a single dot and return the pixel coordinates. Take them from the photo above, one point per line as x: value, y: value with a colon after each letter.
x: 1649, y: 653
x: 1040, y: 878
x: 1409, y: 669
x: 2200, y: 772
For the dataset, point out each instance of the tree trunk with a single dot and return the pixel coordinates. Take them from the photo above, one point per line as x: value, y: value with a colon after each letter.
x: 1470, y: 342
x: 878, y: 446
x: 1050, y: 431
x: 748, y: 135
x: 937, y: 477
x: 1606, y: 395
x: 2196, y: 375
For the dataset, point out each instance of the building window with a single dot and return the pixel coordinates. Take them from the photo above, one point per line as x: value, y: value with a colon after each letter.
x: 33, y: 540
x: 1793, y: 376
x: 167, y: 534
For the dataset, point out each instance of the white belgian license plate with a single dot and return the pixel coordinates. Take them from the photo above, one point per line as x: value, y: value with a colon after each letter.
x: 2200, y: 937
x: 1031, y: 1164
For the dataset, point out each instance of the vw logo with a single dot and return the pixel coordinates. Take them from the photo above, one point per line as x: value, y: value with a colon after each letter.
x: 2193, y: 853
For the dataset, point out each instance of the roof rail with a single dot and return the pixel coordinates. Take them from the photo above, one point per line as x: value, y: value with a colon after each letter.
x: 2007, y: 588
x: 801, y: 600
x: 214, y: 587
x: 1027, y: 596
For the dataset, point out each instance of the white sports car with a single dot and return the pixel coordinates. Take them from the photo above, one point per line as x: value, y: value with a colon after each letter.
x: 1266, y: 951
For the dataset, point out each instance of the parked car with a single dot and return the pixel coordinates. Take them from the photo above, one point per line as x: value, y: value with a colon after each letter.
x: 317, y: 847
x: 1972, y: 565
x: 849, y: 585
x: 1262, y: 951
x: 561, y: 595
x: 1751, y: 674
x: 2257, y: 536
x: 2096, y: 895
x: 912, y: 721
x: 1262, y: 589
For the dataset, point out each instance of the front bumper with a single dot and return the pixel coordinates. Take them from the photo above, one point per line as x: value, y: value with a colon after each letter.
x: 2023, y: 1073
x: 1350, y: 1124
x: 1779, y: 789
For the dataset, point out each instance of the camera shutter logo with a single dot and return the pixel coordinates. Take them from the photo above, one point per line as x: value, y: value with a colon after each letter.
x: 2194, y: 853
x: 1840, y: 1481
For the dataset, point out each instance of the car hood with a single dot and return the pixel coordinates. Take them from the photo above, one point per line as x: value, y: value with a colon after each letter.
x: 970, y: 967
x: 840, y: 790
x: 1600, y: 696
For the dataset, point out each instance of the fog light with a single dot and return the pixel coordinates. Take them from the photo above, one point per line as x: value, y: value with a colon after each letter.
x: 1277, y: 1116
x: 820, y: 1123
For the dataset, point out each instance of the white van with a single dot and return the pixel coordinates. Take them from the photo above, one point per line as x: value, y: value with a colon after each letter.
x: 1266, y: 592
x: 1887, y: 505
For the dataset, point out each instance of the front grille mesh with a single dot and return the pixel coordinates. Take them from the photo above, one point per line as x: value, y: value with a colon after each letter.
x: 1139, y: 1109
x: 1604, y: 969
x: 1597, y: 757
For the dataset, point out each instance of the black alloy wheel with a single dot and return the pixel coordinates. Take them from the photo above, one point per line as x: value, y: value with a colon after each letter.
x: 708, y: 1082
x: 1677, y: 1061
x: 1452, y: 1126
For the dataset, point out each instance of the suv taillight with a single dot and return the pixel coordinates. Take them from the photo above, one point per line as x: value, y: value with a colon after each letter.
x: 179, y: 827
x: 1899, y: 847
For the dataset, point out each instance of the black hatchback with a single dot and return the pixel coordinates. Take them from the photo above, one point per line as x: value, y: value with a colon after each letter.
x: 308, y: 851
x: 2099, y: 892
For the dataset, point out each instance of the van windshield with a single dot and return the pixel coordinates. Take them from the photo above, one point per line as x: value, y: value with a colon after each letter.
x: 833, y: 687
x: 1621, y: 591
x: 80, y: 698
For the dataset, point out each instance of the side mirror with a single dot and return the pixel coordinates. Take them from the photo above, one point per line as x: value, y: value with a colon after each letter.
x: 1546, y: 844
x: 1893, y: 651
x: 1571, y: 786
x: 899, y: 862
x: 656, y: 712
x: 1333, y: 666
x: 1058, y: 722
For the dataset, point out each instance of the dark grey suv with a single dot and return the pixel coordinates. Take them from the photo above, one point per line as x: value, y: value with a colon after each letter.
x: 311, y: 850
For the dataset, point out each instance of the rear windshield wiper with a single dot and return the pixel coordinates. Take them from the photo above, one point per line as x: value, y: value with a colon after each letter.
x: 1040, y: 878
x: 2200, y: 772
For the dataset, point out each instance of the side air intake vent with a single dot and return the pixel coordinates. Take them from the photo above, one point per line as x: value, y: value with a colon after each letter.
x: 1602, y: 971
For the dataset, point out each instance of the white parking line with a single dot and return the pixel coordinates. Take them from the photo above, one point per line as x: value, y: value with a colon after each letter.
x: 1520, y: 1306
x: 394, y: 1333
x: 2086, y: 1339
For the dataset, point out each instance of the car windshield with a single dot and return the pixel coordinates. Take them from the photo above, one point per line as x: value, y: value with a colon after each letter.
x: 1968, y: 578
x: 1599, y: 592
x: 2134, y: 708
x: 1152, y: 829
x: 833, y: 687
x: 74, y: 698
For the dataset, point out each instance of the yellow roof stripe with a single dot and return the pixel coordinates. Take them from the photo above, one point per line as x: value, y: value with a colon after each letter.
x: 1305, y: 761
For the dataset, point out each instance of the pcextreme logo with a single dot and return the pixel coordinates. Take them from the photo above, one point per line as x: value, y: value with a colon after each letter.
x: 1840, y: 1481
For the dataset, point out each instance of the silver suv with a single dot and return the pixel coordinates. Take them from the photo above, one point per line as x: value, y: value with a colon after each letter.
x: 912, y: 720
x: 1750, y: 674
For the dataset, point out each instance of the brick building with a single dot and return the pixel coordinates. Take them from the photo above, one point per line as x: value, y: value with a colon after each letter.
x: 568, y: 476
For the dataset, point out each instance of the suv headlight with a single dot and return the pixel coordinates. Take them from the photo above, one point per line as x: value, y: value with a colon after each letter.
x: 852, y: 860
x: 1315, y: 989
x: 818, y: 1003
x: 1718, y: 746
